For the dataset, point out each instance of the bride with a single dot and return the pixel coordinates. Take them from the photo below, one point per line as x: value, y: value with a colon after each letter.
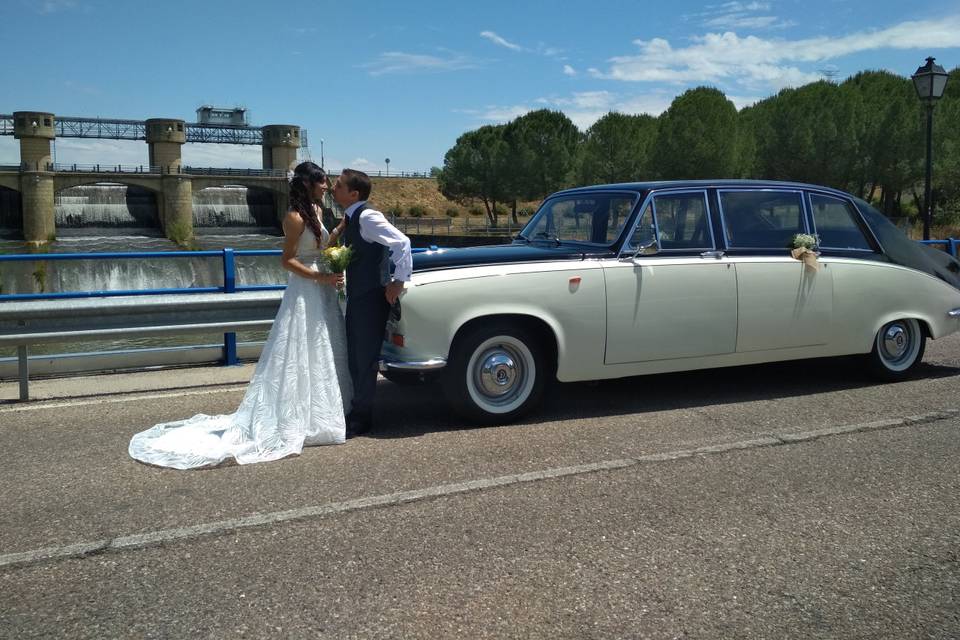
x: 301, y: 384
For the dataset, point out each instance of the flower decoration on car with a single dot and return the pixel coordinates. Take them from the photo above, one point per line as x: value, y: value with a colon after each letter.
x: 803, y: 247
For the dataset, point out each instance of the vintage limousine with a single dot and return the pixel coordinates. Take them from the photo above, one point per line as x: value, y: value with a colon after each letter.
x: 631, y: 279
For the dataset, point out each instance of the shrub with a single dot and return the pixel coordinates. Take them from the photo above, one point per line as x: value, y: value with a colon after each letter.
x: 417, y: 211
x: 394, y: 210
x: 453, y: 212
x: 477, y: 211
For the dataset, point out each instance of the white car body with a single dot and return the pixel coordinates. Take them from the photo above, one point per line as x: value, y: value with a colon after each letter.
x: 617, y: 314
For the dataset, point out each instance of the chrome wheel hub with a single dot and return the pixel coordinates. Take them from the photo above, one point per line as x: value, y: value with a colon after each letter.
x: 896, y: 341
x: 498, y: 373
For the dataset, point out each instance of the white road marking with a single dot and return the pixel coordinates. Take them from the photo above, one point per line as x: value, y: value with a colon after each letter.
x: 162, y: 536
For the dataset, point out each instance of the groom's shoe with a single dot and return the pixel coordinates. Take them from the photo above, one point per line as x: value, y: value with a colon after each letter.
x: 357, y: 427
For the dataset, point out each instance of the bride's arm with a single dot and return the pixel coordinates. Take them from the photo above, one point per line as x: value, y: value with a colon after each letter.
x: 293, y: 226
x: 337, y: 233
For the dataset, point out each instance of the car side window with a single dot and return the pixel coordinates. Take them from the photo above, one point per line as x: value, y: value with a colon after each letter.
x: 644, y: 233
x: 836, y: 225
x: 761, y: 219
x: 682, y: 221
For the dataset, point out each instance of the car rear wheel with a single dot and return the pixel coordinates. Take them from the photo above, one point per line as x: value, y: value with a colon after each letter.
x: 897, y: 349
x: 495, y: 373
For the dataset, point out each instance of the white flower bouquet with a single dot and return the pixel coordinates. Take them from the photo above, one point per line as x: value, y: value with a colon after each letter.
x: 803, y: 247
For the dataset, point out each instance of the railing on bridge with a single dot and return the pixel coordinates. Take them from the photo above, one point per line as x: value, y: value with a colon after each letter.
x: 182, y: 170
x: 116, y: 129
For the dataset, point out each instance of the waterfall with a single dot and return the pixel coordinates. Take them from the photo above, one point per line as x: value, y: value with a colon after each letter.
x: 234, y: 206
x: 139, y: 273
x: 105, y: 205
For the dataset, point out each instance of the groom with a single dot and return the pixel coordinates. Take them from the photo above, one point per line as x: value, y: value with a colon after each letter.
x: 370, y: 288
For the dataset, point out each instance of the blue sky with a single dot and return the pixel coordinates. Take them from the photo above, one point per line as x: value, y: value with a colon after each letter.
x: 404, y: 79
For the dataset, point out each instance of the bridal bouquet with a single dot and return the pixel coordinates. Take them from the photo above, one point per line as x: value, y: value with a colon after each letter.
x: 337, y: 259
x: 803, y: 247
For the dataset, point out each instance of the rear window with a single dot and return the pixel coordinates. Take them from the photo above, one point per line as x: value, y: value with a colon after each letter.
x: 835, y: 223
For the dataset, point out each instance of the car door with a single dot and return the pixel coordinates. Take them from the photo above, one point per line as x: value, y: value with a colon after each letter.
x: 678, y: 297
x: 782, y: 303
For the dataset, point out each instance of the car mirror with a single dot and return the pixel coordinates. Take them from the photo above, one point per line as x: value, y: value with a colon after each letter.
x: 649, y: 248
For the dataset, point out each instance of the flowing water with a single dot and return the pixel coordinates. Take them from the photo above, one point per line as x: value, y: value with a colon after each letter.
x: 107, y: 217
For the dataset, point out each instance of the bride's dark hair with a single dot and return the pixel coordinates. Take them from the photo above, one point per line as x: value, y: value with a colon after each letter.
x: 305, y: 175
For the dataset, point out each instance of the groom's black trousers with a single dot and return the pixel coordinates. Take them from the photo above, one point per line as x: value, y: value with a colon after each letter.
x: 366, y: 322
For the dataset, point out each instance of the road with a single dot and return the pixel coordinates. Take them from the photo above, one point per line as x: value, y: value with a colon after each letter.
x: 799, y: 500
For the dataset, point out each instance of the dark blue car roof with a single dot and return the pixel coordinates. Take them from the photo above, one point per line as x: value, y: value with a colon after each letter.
x: 697, y: 184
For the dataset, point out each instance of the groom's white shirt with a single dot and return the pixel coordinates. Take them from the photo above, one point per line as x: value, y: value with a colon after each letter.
x: 374, y: 227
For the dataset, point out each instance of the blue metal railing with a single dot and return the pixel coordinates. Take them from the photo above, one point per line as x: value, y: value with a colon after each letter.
x: 950, y: 245
x: 227, y: 255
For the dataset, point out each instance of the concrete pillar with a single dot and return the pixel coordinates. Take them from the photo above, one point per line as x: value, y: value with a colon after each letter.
x: 280, y: 144
x: 176, y: 208
x: 35, y: 130
x: 281, y: 200
x: 165, y: 138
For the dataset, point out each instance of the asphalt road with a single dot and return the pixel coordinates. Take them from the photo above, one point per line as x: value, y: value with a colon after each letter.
x: 786, y: 501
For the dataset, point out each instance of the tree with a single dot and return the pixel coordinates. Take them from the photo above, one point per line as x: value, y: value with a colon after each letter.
x: 887, y: 159
x: 697, y: 136
x: 616, y: 148
x: 475, y: 167
x: 542, y: 152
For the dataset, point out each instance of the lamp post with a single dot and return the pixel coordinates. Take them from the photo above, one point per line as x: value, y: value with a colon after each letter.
x: 387, y: 160
x: 321, y: 153
x: 929, y: 81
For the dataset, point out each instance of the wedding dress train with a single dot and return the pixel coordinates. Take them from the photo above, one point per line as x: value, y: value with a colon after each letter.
x: 296, y: 398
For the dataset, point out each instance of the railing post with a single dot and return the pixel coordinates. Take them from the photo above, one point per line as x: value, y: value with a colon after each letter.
x: 24, y: 371
x: 953, y: 245
x: 229, y: 286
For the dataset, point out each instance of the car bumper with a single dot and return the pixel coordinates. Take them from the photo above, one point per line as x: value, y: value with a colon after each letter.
x: 392, y: 364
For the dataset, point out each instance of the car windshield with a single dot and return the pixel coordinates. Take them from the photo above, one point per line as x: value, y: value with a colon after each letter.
x: 590, y: 218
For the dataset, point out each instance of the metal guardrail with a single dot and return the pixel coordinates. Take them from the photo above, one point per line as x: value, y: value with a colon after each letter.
x: 11, y: 304
x: 37, y: 322
x: 950, y: 245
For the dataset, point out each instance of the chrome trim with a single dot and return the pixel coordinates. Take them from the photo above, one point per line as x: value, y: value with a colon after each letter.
x: 712, y: 254
x: 954, y: 313
x: 804, y: 212
x: 433, y: 364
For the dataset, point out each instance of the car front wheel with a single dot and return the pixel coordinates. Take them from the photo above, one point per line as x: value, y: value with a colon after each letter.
x: 897, y: 349
x: 495, y: 373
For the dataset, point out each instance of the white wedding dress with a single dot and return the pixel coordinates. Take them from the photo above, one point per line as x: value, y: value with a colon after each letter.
x: 296, y: 397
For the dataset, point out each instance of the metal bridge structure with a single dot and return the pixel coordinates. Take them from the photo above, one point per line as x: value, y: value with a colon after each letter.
x: 116, y: 129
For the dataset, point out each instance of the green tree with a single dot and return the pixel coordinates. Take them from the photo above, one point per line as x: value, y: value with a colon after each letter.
x: 887, y: 158
x: 697, y: 137
x: 616, y: 148
x: 475, y: 167
x: 542, y: 153
x: 946, y: 156
x: 809, y: 134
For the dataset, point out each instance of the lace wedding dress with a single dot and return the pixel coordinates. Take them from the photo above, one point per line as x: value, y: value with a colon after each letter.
x: 296, y: 397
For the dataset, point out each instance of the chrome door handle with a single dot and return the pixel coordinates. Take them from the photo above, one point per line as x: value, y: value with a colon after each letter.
x: 712, y: 254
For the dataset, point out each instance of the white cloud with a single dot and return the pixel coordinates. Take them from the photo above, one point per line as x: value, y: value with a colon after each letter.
x: 770, y: 63
x: 583, y: 108
x: 569, y: 71
x: 498, y: 40
x: 401, y: 62
x: 54, y: 6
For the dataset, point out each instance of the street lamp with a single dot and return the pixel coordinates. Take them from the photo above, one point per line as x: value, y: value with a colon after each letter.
x: 321, y: 153
x: 387, y: 160
x: 929, y: 81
